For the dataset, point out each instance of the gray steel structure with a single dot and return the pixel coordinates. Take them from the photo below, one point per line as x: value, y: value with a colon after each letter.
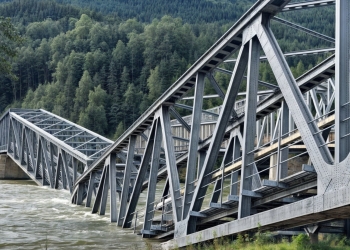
x: 51, y: 150
x: 281, y: 163
x: 278, y: 161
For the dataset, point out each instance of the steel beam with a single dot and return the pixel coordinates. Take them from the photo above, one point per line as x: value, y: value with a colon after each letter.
x: 140, y: 178
x: 308, y: 4
x: 193, y: 147
x: 218, y: 136
x: 320, y: 156
x: 174, y: 182
x: 236, y: 154
x: 284, y: 129
x: 98, y: 197
x: 104, y: 194
x: 228, y: 44
x: 306, y: 30
x: 191, y: 109
x: 294, y: 53
x: 66, y: 170
x: 80, y: 194
x: 244, y: 209
x: 180, y: 119
x: 126, y: 180
x: 216, y: 86
x: 58, y: 171
x: 48, y: 163
x: 91, y: 187
x: 113, y: 187
x: 152, y: 184
x: 342, y: 80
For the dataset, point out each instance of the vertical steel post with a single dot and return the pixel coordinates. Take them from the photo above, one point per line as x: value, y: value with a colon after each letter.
x: 284, y: 120
x: 90, y: 189
x: 126, y: 181
x: 193, y: 147
x: 342, y: 80
x: 152, y: 183
x: 38, y: 161
x: 113, y: 187
x: 47, y: 161
x: 79, y: 196
x: 234, y: 175
x: 173, y: 175
x: 105, y: 189
x: 313, y: 140
x: 139, y: 179
x: 218, y: 135
x: 201, y: 157
x: 75, y: 172
x: 97, y: 202
x: 278, y: 163
x: 58, y: 170
x: 249, y: 127
x: 66, y: 170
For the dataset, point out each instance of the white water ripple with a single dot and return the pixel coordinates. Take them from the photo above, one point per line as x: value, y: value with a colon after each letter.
x: 33, y: 217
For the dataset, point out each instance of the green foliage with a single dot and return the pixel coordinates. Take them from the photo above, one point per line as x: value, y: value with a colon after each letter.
x: 262, y: 238
x: 336, y: 240
x: 119, y: 131
x: 194, y: 11
x: 82, y: 95
x: 10, y: 39
x: 301, y: 242
x: 153, y: 84
x: 94, y: 116
x: 82, y: 64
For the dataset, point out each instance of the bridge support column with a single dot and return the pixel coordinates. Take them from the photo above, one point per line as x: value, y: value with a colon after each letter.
x: 9, y: 169
x: 312, y: 232
x: 347, y: 228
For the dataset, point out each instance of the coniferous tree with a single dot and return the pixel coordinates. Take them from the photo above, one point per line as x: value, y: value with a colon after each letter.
x: 82, y: 95
x: 94, y: 116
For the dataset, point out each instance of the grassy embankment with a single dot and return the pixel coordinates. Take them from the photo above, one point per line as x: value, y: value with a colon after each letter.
x: 264, y: 241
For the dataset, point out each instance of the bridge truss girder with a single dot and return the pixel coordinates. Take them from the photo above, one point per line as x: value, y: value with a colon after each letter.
x: 49, y: 149
x: 250, y: 178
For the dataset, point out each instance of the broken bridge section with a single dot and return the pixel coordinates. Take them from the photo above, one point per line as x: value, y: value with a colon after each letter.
x: 47, y: 148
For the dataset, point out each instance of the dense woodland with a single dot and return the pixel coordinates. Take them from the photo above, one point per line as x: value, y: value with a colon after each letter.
x: 102, y: 63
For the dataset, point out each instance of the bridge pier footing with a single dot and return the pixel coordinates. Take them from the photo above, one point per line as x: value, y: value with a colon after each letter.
x: 9, y: 170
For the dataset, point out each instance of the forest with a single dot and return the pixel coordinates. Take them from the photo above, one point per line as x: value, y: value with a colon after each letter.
x: 102, y: 63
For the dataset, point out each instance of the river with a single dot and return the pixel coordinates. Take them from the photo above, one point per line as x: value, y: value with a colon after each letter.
x: 34, y: 217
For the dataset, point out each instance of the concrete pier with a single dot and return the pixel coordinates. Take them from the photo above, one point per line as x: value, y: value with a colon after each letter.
x: 9, y: 169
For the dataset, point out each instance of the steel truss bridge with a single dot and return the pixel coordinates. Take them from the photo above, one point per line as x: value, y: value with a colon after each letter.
x: 51, y: 150
x: 275, y: 156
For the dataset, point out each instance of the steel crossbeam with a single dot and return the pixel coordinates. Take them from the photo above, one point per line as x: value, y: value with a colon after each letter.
x: 308, y: 4
x: 291, y: 54
x: 307, y: 31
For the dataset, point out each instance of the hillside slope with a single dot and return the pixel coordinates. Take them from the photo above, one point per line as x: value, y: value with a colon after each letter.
x: 193, y: 11
x: 102, y: 71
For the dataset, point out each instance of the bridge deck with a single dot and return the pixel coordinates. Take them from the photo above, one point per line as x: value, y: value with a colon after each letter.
x: 333, y: 205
